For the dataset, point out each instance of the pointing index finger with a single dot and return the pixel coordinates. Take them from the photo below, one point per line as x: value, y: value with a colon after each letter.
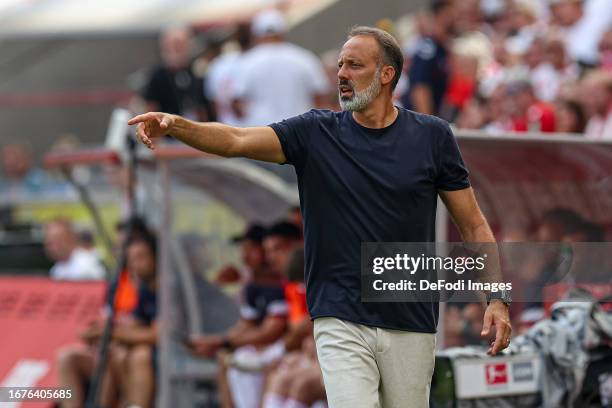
x: 140, y: 118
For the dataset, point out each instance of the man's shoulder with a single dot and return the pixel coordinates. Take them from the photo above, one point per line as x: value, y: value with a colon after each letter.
x: 423, y: 120
x: 325, y: 114
x: 315, y: 115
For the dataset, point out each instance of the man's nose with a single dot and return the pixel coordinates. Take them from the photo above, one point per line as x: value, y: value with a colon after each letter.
x: 342, y: 74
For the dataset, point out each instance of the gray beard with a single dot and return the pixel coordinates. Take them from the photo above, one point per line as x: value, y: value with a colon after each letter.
x: 361, y: 99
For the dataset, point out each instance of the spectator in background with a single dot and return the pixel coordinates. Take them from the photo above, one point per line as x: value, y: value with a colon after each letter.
x: 530, y: 114
x: 297, y: 380
x: 474, y: 114
x: 129, y: 375
x: 263, y: 321
x: 71, y: 261
x: 493, y: 72
x: 223, y: 74
x: 252, y: 254
x: 569, y: 117
x: 597, y: 97
x: 19, y: 173
x: 87, y: 241
x: 429, y: 67
x: 133, y: 357
x: 467, y: 16
x: 172, y: 86
x: 523, y: 27
x: 277, y: 79
x: 126, y: 292
x: 462, y: 85
x: 582, y: 23
x: 605, y: 51
x: 557, y: 68
x: 543, y: 265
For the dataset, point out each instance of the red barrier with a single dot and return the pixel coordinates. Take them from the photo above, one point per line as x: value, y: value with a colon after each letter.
x: 37, y: 316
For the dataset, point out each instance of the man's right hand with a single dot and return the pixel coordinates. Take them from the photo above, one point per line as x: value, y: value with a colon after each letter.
x: 152, y: 125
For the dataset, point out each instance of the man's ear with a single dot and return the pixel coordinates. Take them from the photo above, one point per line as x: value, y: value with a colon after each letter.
x: 387, y: 74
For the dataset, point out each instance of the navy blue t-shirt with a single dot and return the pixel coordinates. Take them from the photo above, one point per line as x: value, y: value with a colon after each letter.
x: 367, y: 185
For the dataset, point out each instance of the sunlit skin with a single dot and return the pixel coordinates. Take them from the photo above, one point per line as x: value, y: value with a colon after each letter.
x: 357, y: 65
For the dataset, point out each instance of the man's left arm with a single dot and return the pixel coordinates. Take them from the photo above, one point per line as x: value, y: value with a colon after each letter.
x: 474, y: 228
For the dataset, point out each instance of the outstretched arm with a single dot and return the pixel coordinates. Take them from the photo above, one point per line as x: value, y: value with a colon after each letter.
x: 259, y: 143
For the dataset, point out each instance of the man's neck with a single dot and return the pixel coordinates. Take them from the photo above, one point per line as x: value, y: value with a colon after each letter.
x: 379, y: 114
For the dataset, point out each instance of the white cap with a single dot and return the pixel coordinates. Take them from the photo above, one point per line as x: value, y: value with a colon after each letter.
x: 268, y: 22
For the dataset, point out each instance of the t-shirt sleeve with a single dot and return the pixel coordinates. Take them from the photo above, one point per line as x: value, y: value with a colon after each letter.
x: 293, y: 134
x: 452, y: 174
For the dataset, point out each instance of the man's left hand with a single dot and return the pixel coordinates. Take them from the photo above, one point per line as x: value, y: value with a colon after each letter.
x: 497, y: 315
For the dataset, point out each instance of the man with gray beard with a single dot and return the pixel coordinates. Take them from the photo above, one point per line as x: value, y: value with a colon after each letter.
x: 370, y: 173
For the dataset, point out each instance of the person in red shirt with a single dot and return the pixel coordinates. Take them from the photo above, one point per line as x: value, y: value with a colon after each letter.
x: 530, y: 114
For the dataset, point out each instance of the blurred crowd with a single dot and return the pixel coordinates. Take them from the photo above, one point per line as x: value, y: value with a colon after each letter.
x: 514, y: 65
x: 251, y: 76
x: 494, y: 65
x: 491, y: 65
x: 560, y: 250
x: 268, y: 358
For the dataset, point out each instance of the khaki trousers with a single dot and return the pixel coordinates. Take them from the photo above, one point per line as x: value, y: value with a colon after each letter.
x: 369, y: 367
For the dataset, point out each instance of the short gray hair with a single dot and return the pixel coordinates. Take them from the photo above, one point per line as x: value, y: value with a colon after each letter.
x: 390, y: 51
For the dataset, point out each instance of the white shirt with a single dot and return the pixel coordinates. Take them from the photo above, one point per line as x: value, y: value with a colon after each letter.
x: 82, y: 265
x: 278, y: 81
x: 547, y: 81
x: 220, y: 83
x: 582, y: 39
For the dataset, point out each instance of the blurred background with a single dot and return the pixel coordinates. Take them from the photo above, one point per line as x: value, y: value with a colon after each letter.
x: 526, y: 85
